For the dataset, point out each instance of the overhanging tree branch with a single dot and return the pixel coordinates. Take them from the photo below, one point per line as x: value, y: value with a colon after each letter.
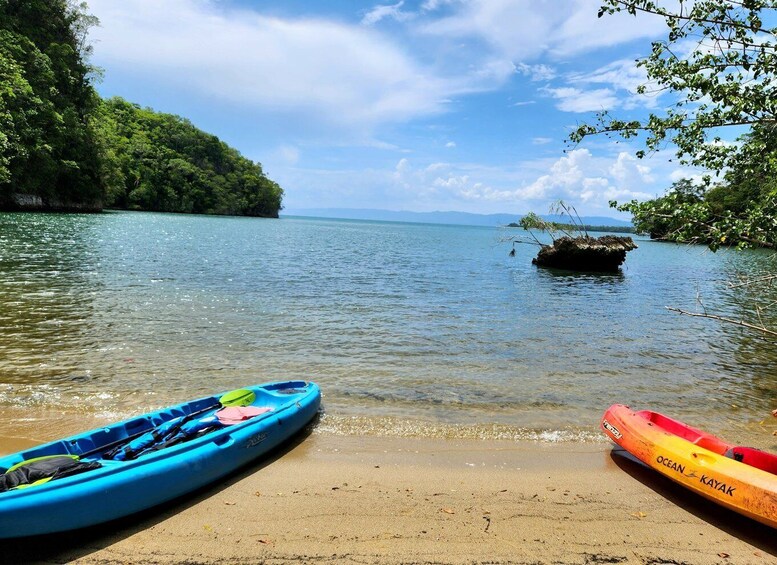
x: 632, y: 7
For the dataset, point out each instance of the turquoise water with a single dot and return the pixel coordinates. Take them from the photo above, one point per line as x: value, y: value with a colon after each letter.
x: 411, y: 329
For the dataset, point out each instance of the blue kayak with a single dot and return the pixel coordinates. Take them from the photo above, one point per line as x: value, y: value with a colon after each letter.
x: 112, y: 472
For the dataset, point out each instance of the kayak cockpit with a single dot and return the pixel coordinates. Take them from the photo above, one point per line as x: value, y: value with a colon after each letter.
x: 755, y: 458
x: 150, y: 433
x: 686, y: 432
x: 747, y: 455
x: 94, y: 443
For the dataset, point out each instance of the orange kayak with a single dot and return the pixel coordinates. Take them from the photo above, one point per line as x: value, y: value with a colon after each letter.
x: 742, y: 479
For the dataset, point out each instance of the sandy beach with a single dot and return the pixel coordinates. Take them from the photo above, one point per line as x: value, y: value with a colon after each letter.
x: 346, y: 499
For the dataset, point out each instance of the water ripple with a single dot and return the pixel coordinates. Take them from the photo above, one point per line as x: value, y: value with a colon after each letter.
x: 118, y: 313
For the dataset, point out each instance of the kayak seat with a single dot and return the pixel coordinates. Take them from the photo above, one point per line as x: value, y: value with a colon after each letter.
x: 179, y: 430
x: 43, y: 469
x: 755, y: 458
x: 231, y: 415
x: 712, y: 443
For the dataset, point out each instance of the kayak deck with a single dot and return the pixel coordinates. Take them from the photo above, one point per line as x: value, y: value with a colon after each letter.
x: 91, y: 445
x: 118, y: 488
x: 743, y: 479
x: 96, y: 440
x: 748, y: 455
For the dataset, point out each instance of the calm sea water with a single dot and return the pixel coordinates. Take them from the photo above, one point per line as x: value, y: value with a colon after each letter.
x: 411, y: 329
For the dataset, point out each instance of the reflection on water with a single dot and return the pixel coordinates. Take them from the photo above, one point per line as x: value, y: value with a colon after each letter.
x: 47, y: 280
x: 427, y: 330
x: 750, y: 295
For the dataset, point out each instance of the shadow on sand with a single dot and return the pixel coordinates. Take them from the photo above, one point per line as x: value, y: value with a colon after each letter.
x: 65, y: 547
x: 752, y: 532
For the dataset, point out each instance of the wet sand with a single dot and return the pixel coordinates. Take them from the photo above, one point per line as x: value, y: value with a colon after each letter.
x: 346, y: 499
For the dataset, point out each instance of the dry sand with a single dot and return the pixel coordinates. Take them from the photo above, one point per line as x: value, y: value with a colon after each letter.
x: 340, y: 499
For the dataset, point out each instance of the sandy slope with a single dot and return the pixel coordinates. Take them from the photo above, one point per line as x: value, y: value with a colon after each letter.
x: 336, y: 499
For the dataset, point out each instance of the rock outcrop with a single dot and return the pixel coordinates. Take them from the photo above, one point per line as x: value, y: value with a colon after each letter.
x: 33, y: 203
x: 593, y: 254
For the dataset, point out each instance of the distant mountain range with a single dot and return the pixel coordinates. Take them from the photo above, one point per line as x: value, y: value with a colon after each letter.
x: 455, y: 218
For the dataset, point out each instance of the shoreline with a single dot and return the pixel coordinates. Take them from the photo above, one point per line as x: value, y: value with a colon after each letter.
x: 21, y: 428
x: 347, y: 499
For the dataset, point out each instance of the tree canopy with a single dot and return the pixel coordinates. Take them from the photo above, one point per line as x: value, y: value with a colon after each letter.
x: 161, y: 162
x: 47, y: 145
x: 719, y: 61
x: 62, y: 147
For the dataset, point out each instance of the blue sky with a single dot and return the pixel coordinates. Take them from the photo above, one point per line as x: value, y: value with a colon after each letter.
x: 409, y: 105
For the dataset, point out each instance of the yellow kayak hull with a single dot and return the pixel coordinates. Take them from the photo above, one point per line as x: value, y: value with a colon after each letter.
x: 700, y: 462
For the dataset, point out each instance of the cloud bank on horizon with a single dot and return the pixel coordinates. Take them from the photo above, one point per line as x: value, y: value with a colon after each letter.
x: 408, y: 105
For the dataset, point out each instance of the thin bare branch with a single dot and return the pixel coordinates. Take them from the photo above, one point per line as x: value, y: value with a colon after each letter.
x: 753, y: 280
x: 741, y: 323
x: 680, y: 16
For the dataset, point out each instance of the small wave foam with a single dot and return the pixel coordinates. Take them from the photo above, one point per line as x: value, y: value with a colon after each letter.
x: 98, y: 403
x: 396, y: 427
x: 29, y: 395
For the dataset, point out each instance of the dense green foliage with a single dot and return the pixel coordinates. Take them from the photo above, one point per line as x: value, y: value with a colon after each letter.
x: 47, y: 145
x: 154, y: 161
x: 719, y: 59
x: 61, y: 147
x: 741, y: 210
x: 585, y: 227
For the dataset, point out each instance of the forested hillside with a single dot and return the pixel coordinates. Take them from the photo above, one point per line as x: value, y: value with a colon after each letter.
x: 48, y: 153
x: 154, y: 161
x: 63, y: 148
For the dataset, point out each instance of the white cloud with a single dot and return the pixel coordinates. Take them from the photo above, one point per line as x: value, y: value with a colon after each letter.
x: 572, y: 99
x: 351, y: 76
x: 439, y: 181
x: 581, y: 29
x: 495, y: 71
x: 630, y: 172
x: 402, y: 166
x: 529, y: 31
x: 536, y: 73
x: 382, y: 11
x: 565, y: 175
x: 452, y: 182
x: 541, y: 140
x: 344, y: 74
x: 450, y: 144
x: 523, y: 29
x: 432, y: 5
x: 620, y: 79
x: 622, y: 74
x: 694, y: 175
x: 514, y: 30
x: 580, y: 177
